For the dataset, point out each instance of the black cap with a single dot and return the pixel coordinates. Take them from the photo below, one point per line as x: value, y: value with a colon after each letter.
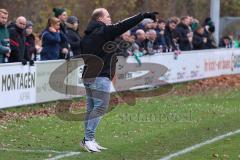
x: 58, y: 11
x: 72, y: 20
x: 29, y: 24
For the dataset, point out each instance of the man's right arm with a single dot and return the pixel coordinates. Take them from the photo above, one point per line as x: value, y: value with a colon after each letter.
x: 115, y: 30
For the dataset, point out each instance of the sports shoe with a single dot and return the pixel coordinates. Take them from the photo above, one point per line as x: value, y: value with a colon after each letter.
x: 98, y: 146
x: 89, y: 146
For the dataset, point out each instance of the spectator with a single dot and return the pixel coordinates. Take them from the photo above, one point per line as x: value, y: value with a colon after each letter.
x: 232, y: 41
x: 175, y: 19
x: 141, y: 41
x: 148, y: 24
x: 226, y: 42
x: 129, y: 46
x: 185, y: 34
x: 152, y: 43
x: 199, y: 41
x: 61, y: 14
x: 51, y: 40
x: 209, y: 30
x: 170, y: 34
x: 30, y: 42
x: 237, y: 42
x: 73, y: 36
x: 161, y: 34
x: 194, y: 24
x: 17, y: 41
x: 4, y: 37
x: 133, y: 49
x: 137, y: 27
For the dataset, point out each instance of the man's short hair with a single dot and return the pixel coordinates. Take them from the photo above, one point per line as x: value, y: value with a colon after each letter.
x: 161, y: 21
x: 152, y: 31
x: 97, y: 13
x: 184, y: 18
x: 4, y: 11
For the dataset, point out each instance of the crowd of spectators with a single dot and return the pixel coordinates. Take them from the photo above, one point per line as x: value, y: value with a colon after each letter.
x: 61, y: 39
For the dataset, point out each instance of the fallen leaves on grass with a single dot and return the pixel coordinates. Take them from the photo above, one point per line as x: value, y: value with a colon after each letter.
x: 217, y: 83
x: 215, y: 155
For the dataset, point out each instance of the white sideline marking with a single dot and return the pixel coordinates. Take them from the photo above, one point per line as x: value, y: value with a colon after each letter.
x: 32, y: 151
x: 64, y: 154
x: 189, y: 149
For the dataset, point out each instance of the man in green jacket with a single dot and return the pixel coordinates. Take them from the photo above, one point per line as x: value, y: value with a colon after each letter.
x: 4, y: 37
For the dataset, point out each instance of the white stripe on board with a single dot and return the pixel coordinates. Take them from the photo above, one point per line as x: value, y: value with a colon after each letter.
x: 189, y: 149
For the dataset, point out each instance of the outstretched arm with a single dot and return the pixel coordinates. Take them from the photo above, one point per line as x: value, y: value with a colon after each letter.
x: 115, y: 30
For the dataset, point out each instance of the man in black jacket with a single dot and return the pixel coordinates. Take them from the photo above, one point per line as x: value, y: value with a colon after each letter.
x: 96, y: 42
x: 17, y: 41
x: 185, y: 34
x: 73, y: 35
x: 199, y: 41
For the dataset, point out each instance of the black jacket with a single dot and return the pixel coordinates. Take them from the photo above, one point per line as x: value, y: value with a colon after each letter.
x: 64, y: 41
x: 169, y: 36
x: 96, y: 36
x: 30, y: 47
x: 210, y: 42
x: 184, y: 43
x: 74, y: 40
x: 198, y: 43
x: 142, y: 45
x: 17, y: 44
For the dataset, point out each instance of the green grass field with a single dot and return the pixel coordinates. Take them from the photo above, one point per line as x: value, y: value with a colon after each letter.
x: 150, y: 130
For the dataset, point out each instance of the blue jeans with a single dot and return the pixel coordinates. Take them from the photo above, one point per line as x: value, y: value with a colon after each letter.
x: 98, y: 96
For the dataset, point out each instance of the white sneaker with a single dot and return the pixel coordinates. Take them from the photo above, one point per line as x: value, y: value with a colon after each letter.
x: 89, y: 146
x: 98, y: 146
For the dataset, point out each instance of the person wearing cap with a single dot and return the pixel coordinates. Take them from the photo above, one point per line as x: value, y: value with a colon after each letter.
x: 73, y: 35
x: 209, y: 29
x: 30, y: 42
x: 4, y: 37
x: 199, y: 41
x: 148, y: 24
x: 61, y: 14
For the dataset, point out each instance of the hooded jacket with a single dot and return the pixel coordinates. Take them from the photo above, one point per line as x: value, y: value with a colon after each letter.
x: 17, y: 44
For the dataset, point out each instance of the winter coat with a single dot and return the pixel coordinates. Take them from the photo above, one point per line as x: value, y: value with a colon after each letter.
x: 96, y: 36
x: 184, y: 43
x: 4, y: 42
x: 51, y: 43
x: 198, y: 43
x: 74, y: 40
x: 17, y: 44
